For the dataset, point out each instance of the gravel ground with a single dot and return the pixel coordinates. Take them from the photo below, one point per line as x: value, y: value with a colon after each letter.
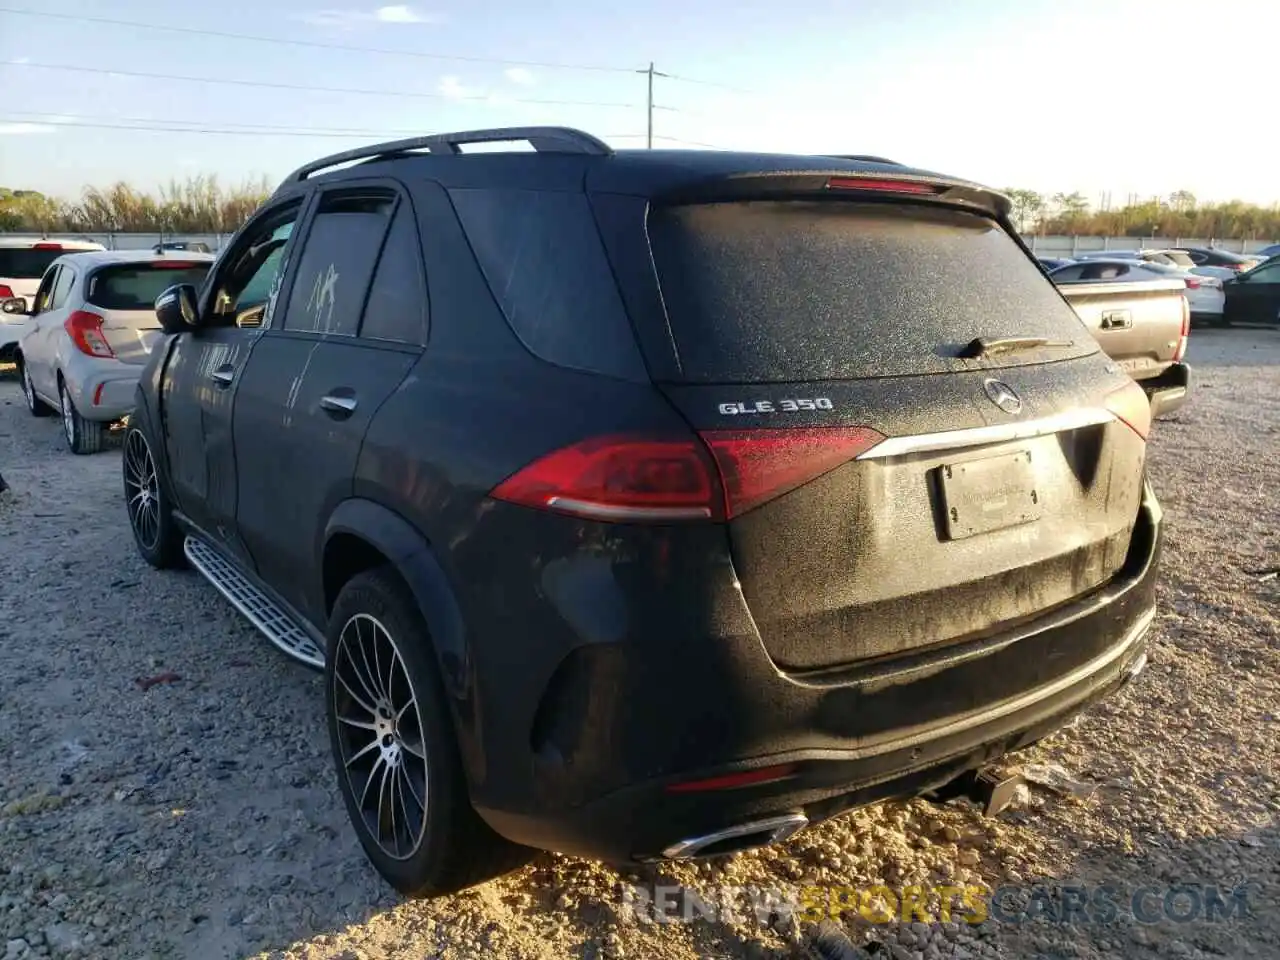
x: 199, y: 817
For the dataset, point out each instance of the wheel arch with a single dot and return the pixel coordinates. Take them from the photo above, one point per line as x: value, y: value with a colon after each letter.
x: 362, y: 534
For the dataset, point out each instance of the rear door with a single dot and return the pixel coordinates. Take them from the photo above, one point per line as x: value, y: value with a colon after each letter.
x: 891, y: 487
x: 316, y: 378
x: 124, y: 295
x: 49, y: 332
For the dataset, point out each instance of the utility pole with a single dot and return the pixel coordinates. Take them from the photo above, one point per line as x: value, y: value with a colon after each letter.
x: 650, y: 73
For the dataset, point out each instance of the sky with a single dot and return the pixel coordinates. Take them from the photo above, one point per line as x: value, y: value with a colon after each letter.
x: 1097, y: 96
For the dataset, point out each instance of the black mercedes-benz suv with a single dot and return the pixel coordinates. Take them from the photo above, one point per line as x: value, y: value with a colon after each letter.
x: 647, y: 504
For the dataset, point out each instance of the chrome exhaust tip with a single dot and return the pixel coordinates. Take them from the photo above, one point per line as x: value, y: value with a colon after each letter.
x: 745, y: 836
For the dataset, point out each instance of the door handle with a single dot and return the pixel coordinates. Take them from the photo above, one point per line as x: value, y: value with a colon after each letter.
x: 338, y: 405
x: 223, y: 375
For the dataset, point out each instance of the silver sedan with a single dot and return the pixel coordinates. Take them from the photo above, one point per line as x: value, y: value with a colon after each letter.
x: 93, y: 327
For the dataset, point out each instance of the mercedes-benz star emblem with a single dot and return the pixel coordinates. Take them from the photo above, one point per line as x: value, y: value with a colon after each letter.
x: 1002, y: 396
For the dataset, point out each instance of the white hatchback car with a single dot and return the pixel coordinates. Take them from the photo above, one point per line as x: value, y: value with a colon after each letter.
x: 23, y: 261
x: 92, y: 328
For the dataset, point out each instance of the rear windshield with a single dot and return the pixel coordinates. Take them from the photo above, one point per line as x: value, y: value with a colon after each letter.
x: 137, y: 285
x: 26, y: 264
x: 764, y: 291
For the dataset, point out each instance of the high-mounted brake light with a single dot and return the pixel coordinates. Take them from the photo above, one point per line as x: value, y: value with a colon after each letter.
x: 85, y: 330
x: 172, y: 265
x: 47, y: 246
x: 1130, y: 404
x: 881, y: 186
x: 717, y: 475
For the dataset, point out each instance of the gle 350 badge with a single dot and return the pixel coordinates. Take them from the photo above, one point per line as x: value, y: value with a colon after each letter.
x: 775, y: 406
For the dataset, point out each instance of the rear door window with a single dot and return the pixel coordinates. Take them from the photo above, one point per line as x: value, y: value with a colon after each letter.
x: 337, y: 262
x: 761, y: 291
x: 136, y: 286
x: 62, y: 289
x: 397, y: 306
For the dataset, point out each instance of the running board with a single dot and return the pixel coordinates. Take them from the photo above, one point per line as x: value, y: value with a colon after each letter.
x: 259, y: 609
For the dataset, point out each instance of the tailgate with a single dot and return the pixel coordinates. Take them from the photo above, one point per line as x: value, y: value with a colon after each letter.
x: 895, y: 492
x: 1139, y: 324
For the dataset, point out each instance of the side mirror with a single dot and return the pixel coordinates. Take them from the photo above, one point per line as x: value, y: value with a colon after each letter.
x: 15, y: 305
x: 176, y: 309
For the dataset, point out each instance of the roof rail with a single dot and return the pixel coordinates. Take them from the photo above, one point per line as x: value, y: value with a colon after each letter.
x: 865, y: 158
x: 542, y: 139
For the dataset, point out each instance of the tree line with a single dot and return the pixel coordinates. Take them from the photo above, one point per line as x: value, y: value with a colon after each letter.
x: 1177, y: 215
x: 197, y: 205
x: 203, y: 205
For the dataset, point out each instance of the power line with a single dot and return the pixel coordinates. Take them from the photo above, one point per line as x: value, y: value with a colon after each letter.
x: 311, y: 88
x: 355, y: 48
x: 54, y: 118
x: 257, y: 130
x: 318, y: 44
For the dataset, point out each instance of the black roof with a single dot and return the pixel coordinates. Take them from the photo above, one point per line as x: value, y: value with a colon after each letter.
x: 567, y: 159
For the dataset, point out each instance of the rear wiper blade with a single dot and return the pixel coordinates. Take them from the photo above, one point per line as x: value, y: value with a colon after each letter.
x: 988, y: 346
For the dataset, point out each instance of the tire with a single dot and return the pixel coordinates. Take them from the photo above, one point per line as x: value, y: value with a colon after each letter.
x: 83, y: 436
x: 446, y: 847
x: 155, y: 533
x: 35, y: 406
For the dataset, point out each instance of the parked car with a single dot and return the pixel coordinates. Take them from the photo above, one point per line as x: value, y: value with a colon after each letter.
x: 188, y: 246
x: 1254, y: 297
x: 1204, y: 294
x: 91, y: 328
x: 657, y: 506
x: 23, y: 261
x: 1052, y: 263
x: 1141, y: 314
x: 1211, y: 257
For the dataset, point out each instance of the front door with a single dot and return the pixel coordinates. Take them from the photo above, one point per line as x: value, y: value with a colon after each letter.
x: 313, y: 385
x: 1254, y: 297
x: 205, y: 368
x: 42, y: 352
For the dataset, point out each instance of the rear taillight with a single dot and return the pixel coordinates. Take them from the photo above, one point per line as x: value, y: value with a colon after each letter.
x: 1193, y: 283
x: 881, y: 185
x: 717, y: 475
x: 1184, y: 333
x: 85, y: 330
x: 1130, y: 404
x: 6, y: 291
x: 758, y: 465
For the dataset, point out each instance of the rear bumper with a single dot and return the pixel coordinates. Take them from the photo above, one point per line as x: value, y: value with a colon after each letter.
x: 1169, y: 391
x: 102, y: 390
x: 818, y: 766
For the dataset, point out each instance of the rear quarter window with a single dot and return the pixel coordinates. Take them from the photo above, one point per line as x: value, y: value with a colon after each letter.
x: 774, y: 291
x: 541, y: 255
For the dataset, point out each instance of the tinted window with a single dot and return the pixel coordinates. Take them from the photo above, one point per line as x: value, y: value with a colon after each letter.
x: 337, y: 263
x: 800, y: 290
x: 1068, y: 274
x: 542, y: 257
x: 397, y: 307
x: 135, y: 286
x: 26, y: 264
x: 66, y: 279
x: 249, y: 276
